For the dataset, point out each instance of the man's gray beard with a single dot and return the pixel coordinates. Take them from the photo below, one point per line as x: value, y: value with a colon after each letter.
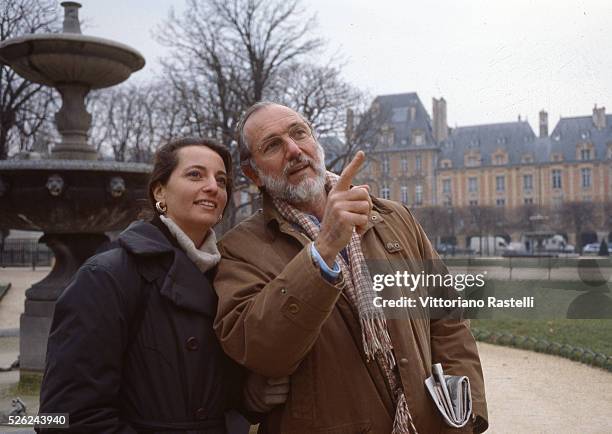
x: 306, y: 191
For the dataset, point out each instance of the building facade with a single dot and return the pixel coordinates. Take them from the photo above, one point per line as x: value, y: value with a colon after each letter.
x: 419, y: 161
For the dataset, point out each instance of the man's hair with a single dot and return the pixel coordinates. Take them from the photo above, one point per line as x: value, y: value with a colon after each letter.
x: 243, y: 145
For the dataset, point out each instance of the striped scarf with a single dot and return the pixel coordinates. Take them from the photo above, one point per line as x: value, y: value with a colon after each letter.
x: 360, y: 293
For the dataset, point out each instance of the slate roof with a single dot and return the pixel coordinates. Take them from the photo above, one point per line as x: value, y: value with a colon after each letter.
x: 399, y: 117
x: 570, y: 131
x: 517, y: 138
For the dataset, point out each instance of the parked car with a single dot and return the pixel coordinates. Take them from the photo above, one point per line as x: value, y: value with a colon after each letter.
x: 591, y: 249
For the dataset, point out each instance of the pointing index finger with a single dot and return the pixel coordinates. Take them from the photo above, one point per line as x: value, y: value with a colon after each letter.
x: 349, y: 172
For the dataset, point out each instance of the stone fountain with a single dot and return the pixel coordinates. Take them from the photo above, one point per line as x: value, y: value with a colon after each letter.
x: 72, y: 197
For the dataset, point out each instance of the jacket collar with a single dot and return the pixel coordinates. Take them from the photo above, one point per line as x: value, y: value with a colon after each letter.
x: 159, y: 260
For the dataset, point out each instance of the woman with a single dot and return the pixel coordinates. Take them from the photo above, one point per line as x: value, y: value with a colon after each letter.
x: 132, y: 348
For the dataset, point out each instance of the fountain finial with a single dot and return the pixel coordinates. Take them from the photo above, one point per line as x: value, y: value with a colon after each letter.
x: 71, y: 17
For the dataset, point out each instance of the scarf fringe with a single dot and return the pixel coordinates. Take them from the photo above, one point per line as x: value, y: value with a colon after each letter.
x: 375, y: 337
x: 402, y: 423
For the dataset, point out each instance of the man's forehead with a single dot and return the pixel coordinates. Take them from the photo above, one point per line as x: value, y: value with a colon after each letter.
x: 270, y: 120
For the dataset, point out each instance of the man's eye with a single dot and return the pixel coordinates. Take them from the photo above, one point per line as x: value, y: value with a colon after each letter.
x: 271, y: 147
x: 299, y: 133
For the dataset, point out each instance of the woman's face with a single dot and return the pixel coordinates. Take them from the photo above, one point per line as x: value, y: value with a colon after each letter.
x: 195, y: 193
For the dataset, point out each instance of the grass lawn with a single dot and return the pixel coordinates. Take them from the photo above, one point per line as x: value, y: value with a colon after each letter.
x: 592, y: 334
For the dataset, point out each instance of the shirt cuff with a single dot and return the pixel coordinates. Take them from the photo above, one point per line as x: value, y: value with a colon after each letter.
x: 330, y: 274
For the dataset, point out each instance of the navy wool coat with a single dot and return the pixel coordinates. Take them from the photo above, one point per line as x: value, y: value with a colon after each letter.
x: 132, y: 348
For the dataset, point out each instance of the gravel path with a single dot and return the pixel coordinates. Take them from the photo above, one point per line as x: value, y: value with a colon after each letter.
x: 527, y: 392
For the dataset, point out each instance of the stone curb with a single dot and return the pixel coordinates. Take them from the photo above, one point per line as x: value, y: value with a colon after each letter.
x: 9, y: 333
x: 578, y: 354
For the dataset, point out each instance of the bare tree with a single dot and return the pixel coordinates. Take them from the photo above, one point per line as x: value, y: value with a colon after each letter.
x: 578, y: 217
x: 228, y: 55
x: 24, y: 106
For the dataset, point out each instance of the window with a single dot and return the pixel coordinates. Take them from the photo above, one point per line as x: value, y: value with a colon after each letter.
x: 473, y: 203
x: 528, y: 200
x: 472, y: 185
x: 472, y: 161
x: 418, y: 194
x: 500, y: 183
x: 446, y: 186
x: 448, y: 201
x: 385, y: 164
x: 556, y: 178
x: 418, y: 138
x: 500, y: 202
x: 557, y: 201
x: 585, y: 154
x: 499, y: 160
x: 385, y: 193
x: 404, y: 192
x: 527, y: 182
x: 418, y: 163
x: 586, y: 177
x: 404, y: 165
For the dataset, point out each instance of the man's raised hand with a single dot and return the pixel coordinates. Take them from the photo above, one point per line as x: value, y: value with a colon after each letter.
x: 346, y: 208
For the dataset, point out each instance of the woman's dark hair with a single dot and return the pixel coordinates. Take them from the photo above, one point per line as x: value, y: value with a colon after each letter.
x: 166, y: 160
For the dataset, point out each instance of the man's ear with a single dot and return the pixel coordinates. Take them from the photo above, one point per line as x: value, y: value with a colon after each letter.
x: 251, y: 173
x: 159, y: 192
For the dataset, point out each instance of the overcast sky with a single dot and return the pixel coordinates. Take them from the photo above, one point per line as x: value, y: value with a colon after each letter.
x: 490, y: 60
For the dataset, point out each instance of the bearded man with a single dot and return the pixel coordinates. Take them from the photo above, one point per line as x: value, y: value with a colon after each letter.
x: 296, y: 296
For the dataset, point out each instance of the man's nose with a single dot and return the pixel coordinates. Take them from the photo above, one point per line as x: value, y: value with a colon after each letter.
x: 292, y: 149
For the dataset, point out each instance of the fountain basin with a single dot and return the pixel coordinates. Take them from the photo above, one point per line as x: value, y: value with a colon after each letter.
x: 56, y: 59
x: 71, y: 196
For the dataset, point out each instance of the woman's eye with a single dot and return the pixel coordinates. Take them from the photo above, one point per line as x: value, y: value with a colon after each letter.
x: 222, y: 182
x: 193, y: 174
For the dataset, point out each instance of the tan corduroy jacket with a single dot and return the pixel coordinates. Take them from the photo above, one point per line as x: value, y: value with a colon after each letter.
x: 278, y: 316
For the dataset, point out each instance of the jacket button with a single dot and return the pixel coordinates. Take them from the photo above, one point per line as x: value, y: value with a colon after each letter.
x: 404, y: 362
x: 200, y: 414
x: 294, y: 308
x: 374, y: 217
x: 192, y: 344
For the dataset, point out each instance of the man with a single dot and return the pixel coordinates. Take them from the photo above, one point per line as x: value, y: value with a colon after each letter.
x: 295, y: 294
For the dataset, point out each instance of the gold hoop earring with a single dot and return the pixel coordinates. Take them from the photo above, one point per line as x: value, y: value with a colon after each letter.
x: 161, y: 207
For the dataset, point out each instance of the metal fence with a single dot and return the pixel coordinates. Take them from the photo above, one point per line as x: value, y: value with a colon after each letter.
x: 25, y: 253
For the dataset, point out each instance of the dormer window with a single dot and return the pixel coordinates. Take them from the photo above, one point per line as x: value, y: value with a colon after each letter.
x: 585, y: 154
x: 418, y: 137
x: 527, y: 159
x: 585, y: 135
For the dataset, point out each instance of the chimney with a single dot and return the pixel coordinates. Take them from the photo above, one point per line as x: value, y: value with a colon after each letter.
x: 599, y: 117
x: 440, y: 127
x: 543, y: 123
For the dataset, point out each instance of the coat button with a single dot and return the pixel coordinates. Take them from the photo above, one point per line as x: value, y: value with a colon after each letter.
x: 192, y: 344
x: 294, y: 308
x: 283, y: 290
x: 200, y: 413
x: 389, y: 245
x: 374, y: 217
x: 404, y: 362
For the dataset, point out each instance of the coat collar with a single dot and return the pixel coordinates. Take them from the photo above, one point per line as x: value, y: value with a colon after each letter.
x: 159, y: 260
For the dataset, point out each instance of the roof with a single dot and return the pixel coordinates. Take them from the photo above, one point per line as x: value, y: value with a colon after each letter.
x: 399, y: 106
x: 571, y: 131
x: 517, y: 138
